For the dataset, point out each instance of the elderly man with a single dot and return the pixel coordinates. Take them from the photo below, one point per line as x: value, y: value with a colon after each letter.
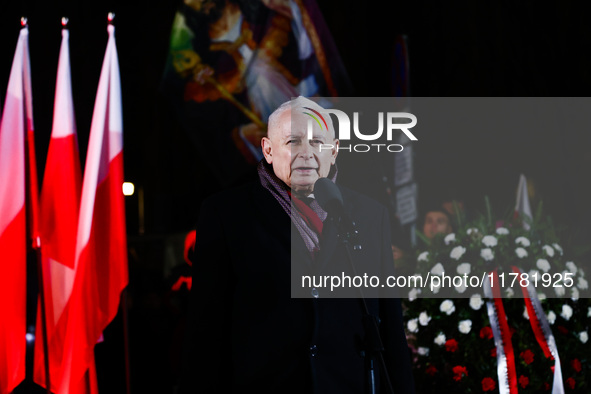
x: 247, y: 332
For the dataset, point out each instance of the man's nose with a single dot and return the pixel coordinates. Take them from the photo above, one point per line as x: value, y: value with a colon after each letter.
x: 306, y: 150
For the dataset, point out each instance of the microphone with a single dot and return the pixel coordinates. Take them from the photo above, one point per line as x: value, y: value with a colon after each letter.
x: 329, y: 197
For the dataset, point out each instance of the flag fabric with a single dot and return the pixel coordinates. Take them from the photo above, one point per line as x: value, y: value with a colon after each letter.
x: 100, y: 258
x: 58, y: 221
x: 522, y: 206
x: 18, y: 188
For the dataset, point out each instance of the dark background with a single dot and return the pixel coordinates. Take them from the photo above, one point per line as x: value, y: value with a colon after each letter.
x: 464, y: 49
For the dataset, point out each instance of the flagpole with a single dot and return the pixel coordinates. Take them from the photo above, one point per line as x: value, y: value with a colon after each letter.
x: 37, y: 247
x: 36, y: 239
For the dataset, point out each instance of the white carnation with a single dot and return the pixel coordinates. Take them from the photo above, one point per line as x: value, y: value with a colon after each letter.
x: 560, y: 290
x: 502, y: 231
x: 412, y: 325
x: 521, y: 253
x: 487, y: 254
x: 571, y: 267
x: 457, y: 252
x: 461, y: 288
x: 423, y: 256
x: 583, y: 336
x: 440, y: 339
x: 525, y: 314
x: 549, y: 250
x: 471, y: 231
x: 437, y: 269
x: 574, y: 294
x: 465, y: 326
x: 541, y: 296
x: 489, y: 241
x: 567, y: 312
x: 533, y: 274
x: 558, y: 248
x: 551, y: 317
x: 581, y: 272
x: 509, y: 292
x: 423, y: 351
x: 463, y: 268
x: 436, y: 288
x: 476, y: 301
x: 582, y: 283
x: 447, y: 307
x: 522, y: 241
x: 412, y: 295
x: 543, y: 264
x: 424, y: 318
x: 449, y: 238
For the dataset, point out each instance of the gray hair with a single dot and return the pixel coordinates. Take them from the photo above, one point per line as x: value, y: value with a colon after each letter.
x: 300, y: 103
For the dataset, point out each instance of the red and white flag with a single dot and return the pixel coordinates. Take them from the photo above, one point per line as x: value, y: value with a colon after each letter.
x: 58, y: 222
x: 522, y: 206
x: 18, y: 200
x: 100, y: 259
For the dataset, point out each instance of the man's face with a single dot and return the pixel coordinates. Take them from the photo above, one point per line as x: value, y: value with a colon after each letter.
x: 435, y: 223
x: 297, y: 160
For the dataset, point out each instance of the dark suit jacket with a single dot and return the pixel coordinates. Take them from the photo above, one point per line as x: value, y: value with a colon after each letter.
x: 247, y: 334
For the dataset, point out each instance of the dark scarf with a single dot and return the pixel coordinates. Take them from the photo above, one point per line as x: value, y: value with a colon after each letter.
x: 307, y: 217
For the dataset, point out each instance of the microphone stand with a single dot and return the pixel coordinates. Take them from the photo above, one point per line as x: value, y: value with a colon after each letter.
x: 373, y: 341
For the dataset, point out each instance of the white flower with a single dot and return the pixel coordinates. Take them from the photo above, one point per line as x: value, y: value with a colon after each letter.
x: 489, y: 240
x: 560, y: 290
x: 437, y: 269
x: 521, y: 253
x: 461, y: 288
x: 487, y: 254
x: 412, y: 325
x: 571, y: 267
x: 551, y: 317
x: 541, y: 296
x: 463, y: 268
x: 522, y: 241
x: 582, y: 283
x: 583, y: 336
x: 589, y: 312
x: 581, y: 272
x: 423, y: 351
x: 465, y: 326
x: 525, y: 314
x: 502, y: 231
x: 558, y: 248
x: 412, y: 295
x: 509, y: 292
x: 549, y: 250
x: 424, y: 318
x: 574, y: 294
x: 476, y: 301
x: 471, y: 231
x: 440, y: 339
x: 447, y: 307
x: 449, y: 238
x: 423, y: 256
x: 543, y: 264
x: 567, y: 312
x: 457, y: 252
x: 436, y: 288
x: 533, y: 274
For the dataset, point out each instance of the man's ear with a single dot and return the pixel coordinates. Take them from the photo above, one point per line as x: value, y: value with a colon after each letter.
x: 335, y: 152
x: 267, y: 150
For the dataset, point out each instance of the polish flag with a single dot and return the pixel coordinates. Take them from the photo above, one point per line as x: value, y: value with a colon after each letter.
x: 100, y: 258
x: 18, y: 194
x: 60, y: 201
x: 522, y: 206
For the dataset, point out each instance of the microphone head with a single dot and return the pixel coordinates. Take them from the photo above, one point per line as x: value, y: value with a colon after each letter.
x: 329, y: 196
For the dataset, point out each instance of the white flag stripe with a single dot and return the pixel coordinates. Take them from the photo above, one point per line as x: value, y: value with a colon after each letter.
x: 63, y: 124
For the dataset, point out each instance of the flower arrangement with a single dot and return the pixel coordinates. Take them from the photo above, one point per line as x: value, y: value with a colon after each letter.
x: 451, y: 335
